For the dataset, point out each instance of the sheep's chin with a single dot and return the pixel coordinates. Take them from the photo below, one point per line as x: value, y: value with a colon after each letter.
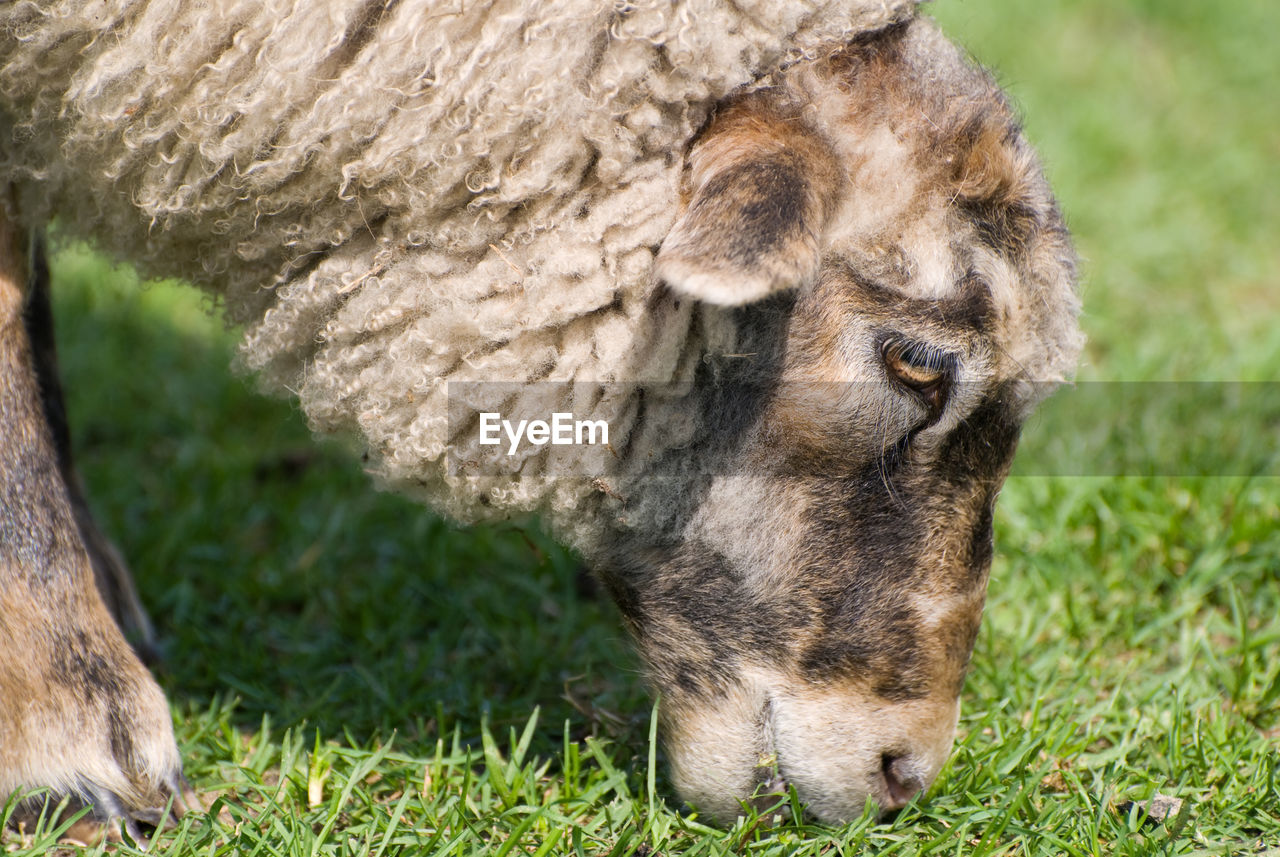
x: 837, y: 747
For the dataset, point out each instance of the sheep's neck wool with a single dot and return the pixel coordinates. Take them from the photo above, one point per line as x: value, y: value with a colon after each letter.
x: 394, y: 198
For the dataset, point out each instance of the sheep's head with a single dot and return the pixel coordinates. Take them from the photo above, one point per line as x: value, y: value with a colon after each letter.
x: 902, y: 286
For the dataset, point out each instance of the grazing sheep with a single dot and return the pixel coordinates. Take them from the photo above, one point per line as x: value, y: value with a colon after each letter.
x: 796, y: 258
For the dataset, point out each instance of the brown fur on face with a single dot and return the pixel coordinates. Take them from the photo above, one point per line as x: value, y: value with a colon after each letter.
x: 812, y: 624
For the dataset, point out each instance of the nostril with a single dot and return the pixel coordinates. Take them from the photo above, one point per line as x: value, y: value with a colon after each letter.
x: 902, y: 782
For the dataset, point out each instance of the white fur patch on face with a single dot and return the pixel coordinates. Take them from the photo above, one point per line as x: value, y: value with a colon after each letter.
x: 881, y: 185
x: 932, y: 611
x: 834, y: 745
x: 886, y: 210
x: 716, y: 748
x: 925, y: 240
x: 751, y: 535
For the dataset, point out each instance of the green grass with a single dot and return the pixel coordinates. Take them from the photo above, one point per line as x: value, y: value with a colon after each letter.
x: 352, y: 676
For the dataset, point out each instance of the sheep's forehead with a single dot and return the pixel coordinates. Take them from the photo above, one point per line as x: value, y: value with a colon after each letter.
x: 943, y: 193
x: 899, y: 220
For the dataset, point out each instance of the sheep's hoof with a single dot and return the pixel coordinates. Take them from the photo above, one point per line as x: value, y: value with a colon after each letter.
x: 83, y: 722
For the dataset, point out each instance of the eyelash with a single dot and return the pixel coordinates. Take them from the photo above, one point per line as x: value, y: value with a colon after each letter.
x: 924, y: 370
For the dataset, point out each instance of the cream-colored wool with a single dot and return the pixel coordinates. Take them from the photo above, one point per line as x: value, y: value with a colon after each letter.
x: 393, y: 197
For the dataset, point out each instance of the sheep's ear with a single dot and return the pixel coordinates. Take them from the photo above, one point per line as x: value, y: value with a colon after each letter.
x: 760, y: 186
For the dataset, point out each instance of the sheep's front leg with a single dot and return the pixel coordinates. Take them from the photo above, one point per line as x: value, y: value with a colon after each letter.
x: 110, y: 571
x: 79, y: 713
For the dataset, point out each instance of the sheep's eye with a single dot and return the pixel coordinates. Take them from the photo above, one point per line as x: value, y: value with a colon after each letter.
x: 921, y: 368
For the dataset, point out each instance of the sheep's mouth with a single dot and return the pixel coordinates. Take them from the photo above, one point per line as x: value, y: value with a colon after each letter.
x: 770, y: 788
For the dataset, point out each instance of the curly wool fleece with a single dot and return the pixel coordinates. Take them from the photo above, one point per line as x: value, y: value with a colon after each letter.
x: 393, y: 197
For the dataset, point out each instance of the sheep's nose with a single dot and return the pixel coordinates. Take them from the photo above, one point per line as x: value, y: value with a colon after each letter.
x: 901, y: 779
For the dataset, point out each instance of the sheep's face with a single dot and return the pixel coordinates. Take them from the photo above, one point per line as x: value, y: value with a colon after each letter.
x: 810, y: 624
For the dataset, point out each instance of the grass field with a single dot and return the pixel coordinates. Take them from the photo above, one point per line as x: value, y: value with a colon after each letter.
x: 349, y: 675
